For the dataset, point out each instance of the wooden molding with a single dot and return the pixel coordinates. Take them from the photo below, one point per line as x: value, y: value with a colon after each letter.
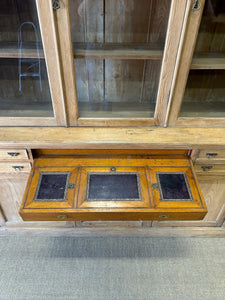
x: 119, y: 231
x: 112, y: 138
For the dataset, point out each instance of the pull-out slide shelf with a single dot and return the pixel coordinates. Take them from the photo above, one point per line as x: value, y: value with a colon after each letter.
x: 113, y: 188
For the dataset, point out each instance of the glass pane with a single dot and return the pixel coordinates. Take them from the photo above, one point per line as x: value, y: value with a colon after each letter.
x: 211, y: 36
x: 118, y: 50
x: 205, y: 94
x: 205, y: 90
x: 24, y: 87
x: 113, y: 187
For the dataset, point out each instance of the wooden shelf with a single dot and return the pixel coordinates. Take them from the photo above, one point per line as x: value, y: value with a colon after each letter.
x: 24, y: 108
x: 203, y: 109
x: 10, y: 50
x: 118, y: 51
x: 116, y: 110
x: 119, y: 54
x: 208, y: 61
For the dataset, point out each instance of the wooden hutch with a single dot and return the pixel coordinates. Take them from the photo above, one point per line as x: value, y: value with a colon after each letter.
x: 118, y: 87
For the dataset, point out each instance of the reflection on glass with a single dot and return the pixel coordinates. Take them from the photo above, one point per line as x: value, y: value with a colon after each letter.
x: 24, y: 88
x: 205, y: 90
x: 118, y: 49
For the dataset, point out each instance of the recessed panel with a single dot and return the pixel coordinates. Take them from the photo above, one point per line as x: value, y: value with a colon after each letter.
x: 174, y: 187
x: 114, y: 187
x: 52, y: 187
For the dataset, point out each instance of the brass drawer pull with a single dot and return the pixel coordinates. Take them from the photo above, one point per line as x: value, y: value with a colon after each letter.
x: 206, y: 168
x: 211, y: 155
x: 62, y: 217
x: 13, y: 154
x: 18, y: 168
x: 164, y: 216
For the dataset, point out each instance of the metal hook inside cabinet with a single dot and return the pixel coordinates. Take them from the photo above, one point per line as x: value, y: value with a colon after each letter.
x: 28, y: 66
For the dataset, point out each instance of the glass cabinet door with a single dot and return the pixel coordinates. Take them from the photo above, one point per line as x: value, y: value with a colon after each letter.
x: 24, y: 80
x: 118, y: 49
x: 205, y: 90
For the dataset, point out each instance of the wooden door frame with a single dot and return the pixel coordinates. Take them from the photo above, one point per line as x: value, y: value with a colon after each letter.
x: 175, y: 25
x: 177, y: 21
x: 183, y: 66
x: 52, y: 58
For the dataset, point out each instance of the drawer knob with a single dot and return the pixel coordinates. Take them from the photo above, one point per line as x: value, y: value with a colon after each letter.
x: 62, y: 217
x: 211, y: 155
x: 13, y: 154
x: 18, y: 168
x: 206, y: 168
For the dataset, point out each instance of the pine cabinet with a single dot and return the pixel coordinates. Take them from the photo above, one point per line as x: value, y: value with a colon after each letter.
x: 112, y: 63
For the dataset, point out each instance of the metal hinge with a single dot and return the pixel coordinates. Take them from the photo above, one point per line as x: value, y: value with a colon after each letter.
x: 155, y: 186
x: 71, y: 186
x: 196, y: 5
x: 55, y: 4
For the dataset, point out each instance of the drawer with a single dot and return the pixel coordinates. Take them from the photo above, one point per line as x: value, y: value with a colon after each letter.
x: 213, y: 156
x: 112, y: 189
x: 15, y: 167
x: 13, y: 155
x: 210, y: 169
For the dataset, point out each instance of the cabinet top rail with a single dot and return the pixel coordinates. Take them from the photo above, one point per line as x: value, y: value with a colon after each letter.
x: 112, y: 138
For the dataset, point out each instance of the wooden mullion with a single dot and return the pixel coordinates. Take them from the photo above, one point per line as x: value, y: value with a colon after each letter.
x: 191, y: 33
x: 63, y: 23
x: 174, y: 31
x: 50, y: 45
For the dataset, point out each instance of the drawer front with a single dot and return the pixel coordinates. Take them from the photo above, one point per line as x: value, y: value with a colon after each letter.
x: 112, y: 189
x: 213, y: 156
x: 13, y: 155
x: 210, y: 169
x: 15, y: 167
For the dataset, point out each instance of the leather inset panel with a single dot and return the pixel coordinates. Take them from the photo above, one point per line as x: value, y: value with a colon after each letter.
x: 174, y: 186
x: 114, y: 187
x: 52, y: 187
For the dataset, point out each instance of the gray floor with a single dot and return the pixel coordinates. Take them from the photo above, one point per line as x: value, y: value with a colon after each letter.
x: 105, y: 268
